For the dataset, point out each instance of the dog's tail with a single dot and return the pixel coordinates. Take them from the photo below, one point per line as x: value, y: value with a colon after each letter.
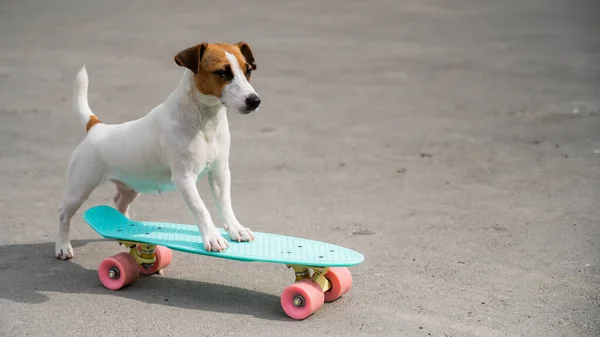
x: 80, y: 100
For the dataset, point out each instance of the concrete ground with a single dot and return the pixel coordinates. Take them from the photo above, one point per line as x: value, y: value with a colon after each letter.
x: 453, y: 143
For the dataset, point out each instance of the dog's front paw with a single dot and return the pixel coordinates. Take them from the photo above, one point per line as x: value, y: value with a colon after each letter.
x: 240, y: 233
x: 214, y: 241
x: 64, y: 251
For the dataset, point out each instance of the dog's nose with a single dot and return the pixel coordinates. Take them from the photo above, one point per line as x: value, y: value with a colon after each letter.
x: 252, y: 101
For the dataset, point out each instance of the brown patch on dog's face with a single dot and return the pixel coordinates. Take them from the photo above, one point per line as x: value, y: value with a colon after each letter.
x: 91, y: 122
x: 212, y: 70
x: 247, y: 53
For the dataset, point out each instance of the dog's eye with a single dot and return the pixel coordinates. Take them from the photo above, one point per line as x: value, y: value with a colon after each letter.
x: 225, y: 74
x: 248, y: 71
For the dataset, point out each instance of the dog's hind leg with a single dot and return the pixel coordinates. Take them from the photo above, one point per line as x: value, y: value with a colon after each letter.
x: 84, y: 174
x: 124, y: 197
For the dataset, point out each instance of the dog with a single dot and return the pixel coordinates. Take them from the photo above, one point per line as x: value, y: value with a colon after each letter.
x: 184, y: 138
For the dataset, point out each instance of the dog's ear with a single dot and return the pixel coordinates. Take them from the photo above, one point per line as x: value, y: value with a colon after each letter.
x: 245, y: 49
x: 191, y: 57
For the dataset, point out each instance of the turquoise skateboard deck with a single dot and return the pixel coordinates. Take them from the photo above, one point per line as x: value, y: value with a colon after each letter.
x: 321, y: 273
x: 111, y: 224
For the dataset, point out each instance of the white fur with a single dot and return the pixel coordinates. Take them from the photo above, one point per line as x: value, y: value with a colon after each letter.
x: 80, y: 99
x: 182, y: 139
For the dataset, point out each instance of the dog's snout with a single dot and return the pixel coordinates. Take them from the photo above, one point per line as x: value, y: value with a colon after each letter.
x: 252, y: 101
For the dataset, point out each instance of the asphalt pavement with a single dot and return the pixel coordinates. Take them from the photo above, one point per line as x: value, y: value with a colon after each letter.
x: 454, y: 143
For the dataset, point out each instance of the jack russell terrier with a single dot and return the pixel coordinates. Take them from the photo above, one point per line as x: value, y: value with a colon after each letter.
x: 181, y: 140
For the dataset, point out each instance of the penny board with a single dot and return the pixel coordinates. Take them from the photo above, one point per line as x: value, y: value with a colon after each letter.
x: 266, y: 247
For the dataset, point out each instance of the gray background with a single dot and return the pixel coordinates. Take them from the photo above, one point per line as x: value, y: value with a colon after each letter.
x: 451, y: 142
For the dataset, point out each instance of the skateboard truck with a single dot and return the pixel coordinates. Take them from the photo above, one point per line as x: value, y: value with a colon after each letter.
x: 318, y: 275
x: 144, y: 256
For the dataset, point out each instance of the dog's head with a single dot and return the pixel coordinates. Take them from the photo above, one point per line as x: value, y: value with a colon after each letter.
x: 223, y: 71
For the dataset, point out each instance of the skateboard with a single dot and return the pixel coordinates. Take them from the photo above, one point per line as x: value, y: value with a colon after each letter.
x: 321, y: 269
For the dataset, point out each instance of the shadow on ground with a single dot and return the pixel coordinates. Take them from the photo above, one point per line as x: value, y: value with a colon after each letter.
x: 34, y: 271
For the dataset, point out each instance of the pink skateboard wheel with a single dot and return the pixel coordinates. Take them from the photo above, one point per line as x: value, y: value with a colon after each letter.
x: 341, y: 282
x: 118, y: 271
x: 302, y: 299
